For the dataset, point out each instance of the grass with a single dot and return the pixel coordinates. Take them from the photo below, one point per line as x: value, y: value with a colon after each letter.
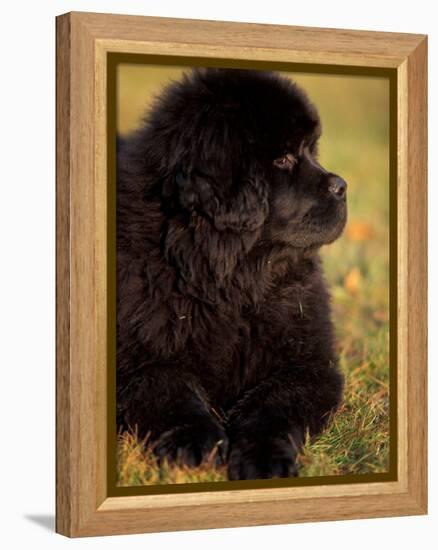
x: 137, y: 465
x: 355, y: 116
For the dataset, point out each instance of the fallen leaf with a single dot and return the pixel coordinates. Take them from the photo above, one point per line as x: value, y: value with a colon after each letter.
x: 381, y: 315
x: 359, y: 231
x: 352, y: 281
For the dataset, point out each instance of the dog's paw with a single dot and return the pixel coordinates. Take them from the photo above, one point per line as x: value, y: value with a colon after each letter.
x: 191, y: 444
x: 274, y: 457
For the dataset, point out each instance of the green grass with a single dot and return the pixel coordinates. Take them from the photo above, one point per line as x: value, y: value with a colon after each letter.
x: 355, y: 118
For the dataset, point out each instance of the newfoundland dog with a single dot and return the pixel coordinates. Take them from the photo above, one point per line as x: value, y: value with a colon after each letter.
x: 224, y: 337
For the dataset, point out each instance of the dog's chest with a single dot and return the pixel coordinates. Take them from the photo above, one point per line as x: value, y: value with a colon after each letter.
x: 244, y: 345
x: 285, y: 318
x: 289, y: 325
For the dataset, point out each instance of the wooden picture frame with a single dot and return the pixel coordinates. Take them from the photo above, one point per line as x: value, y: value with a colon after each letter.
x: 85, y: 506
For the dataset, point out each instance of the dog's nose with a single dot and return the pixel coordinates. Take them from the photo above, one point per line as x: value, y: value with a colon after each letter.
x: 337, y: 187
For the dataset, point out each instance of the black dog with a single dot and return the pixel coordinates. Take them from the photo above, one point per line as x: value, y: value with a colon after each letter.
x: 223, y: 322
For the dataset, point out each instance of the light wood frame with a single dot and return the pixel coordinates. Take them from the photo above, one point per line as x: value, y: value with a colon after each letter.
x: 83, y: 506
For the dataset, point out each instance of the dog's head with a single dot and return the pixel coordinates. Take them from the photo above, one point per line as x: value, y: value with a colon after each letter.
x: 241, y: 151
x: 233, y: 154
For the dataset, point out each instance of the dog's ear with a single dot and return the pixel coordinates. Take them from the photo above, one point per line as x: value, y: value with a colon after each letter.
x: 223, y: 224
x: 195, y: 191
x: 240, y: 206
x: 246, y: 208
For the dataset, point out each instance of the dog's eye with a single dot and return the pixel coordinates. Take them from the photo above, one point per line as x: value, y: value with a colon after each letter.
x: 285, y: 162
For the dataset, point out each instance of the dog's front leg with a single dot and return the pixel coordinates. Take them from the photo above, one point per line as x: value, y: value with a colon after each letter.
x: 170, y: 405
x: 267, y: 427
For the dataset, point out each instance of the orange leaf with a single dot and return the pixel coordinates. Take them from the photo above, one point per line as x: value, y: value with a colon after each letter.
x: 353, y: 280
x: 359, y: 231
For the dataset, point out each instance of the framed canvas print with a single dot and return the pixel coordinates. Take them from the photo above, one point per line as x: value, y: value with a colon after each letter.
x: 241, y: 274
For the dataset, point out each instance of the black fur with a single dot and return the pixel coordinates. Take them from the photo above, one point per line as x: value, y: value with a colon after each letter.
x: 223, y: 320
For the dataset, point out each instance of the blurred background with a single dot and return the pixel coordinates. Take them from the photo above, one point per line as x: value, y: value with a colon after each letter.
x: 354, y: 111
